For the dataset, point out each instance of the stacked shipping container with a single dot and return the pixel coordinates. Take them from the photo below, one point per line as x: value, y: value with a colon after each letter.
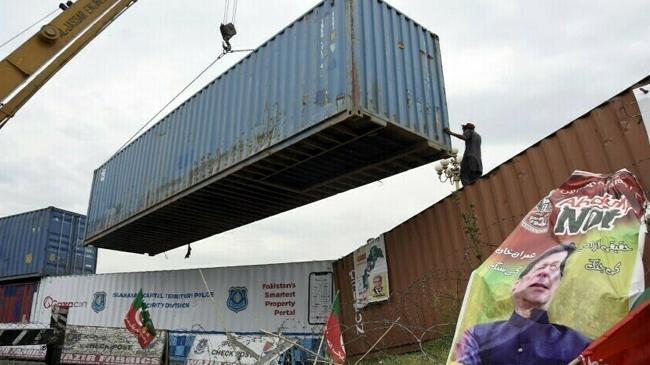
x: 44, y: 242
x: 36, y: 244
x: 198, y: 306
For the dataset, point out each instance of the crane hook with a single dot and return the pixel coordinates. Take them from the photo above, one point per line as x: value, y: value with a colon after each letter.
x: 227, y: 32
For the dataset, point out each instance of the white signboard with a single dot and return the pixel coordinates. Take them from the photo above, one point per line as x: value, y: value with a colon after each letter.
x: 217, y: 349
x: 321, y: 287
x: 371, y: 273
x: 97, y: 345
x: 32, y: 352
x: 239, y: 299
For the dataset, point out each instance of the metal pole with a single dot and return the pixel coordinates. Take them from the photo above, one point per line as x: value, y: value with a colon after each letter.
x: 295, y: 343
x: 319, y: 347
x: 58, y: 322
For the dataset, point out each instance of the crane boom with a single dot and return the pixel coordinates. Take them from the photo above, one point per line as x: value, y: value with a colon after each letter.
x: 70, y: 31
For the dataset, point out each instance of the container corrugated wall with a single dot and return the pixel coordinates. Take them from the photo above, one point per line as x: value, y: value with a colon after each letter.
x: 44, y: 242
x: 245, y: 298
x: 399, y: 68
x: 16, y: 301
x: 428, y: 257
x: 349, y: 93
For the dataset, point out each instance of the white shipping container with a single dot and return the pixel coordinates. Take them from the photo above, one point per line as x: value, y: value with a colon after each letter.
x: 106, y: 346
x: 292, y: 297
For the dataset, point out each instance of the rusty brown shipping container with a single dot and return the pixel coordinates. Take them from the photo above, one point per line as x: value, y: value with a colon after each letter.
x: 428, y: 255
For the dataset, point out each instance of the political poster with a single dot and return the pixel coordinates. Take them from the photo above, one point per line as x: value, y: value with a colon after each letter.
x: 371, y: 273
x: 569, y: 271
x: 101, y: 345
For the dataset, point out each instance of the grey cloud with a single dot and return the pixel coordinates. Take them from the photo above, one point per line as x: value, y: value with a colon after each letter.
x: 520, y: 70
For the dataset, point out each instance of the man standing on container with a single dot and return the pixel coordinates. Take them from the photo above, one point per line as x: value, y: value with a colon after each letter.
x: 471, y: 166
x: 527, y: 337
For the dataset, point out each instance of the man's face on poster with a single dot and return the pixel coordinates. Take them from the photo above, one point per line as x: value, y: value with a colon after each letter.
x: 537, y: 287
x: 376, y: 282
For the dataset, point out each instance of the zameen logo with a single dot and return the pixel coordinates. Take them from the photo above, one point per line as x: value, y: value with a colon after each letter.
x: 99, y: 301
x: 237, y: 298
x: 581, y: 214
x: 201, y: 346
x: 48, y: 302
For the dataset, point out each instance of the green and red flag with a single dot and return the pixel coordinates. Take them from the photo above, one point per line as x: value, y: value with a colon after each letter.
x: 333, y: 334
x: 138, y: 321
x: 624, y: 343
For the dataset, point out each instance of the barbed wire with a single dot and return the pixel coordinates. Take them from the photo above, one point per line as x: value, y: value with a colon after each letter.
x: 428, y: 309
x: 419, y: 337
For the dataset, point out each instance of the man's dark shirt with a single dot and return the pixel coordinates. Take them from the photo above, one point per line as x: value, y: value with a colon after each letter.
x: 520, y: 340
x: 471, y: 166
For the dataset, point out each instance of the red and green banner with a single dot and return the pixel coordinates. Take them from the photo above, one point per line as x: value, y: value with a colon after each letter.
x: 567, y: 273
x: 138, y: 321
x: 333, y: 335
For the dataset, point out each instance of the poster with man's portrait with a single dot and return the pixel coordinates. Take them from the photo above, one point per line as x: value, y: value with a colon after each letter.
x: 371, y: 272
x: 569, y: 271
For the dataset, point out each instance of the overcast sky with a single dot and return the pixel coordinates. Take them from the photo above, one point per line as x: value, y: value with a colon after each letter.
x: 520, y: 70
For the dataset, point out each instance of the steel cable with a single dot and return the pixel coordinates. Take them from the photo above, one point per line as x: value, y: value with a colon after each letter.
x: 29, y: 27
x: 179, y: 93
x: 225, y: 12
x: 171, y: 101
x: 234, y: 11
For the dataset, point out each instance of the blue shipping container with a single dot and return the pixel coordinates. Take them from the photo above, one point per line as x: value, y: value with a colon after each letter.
x: 349, y: 93
x: 44, y: 242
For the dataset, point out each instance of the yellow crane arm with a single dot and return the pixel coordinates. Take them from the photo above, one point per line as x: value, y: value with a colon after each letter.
x: 70, y: 31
